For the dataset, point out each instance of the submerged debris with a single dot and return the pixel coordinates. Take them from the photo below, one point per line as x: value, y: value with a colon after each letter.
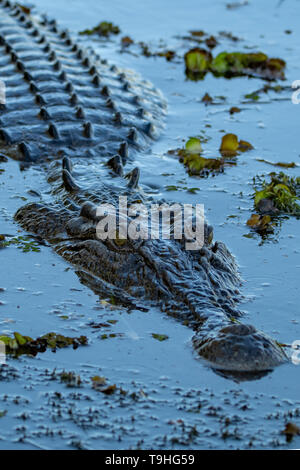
x: 159, y: 337
x: 195, y: 163
x: 197, y: 62
x: 231, y: 146
x: 99, y: 384
x: 233, y: 64
x: 19, y: 344
x: 260, y: 223
x: 104, y: 28
x: 280, y: 195
x: 126, y: 41
x: 291, y: 430
x: 191, y: 156
x: 24, y: 243
x: 280, y: 164
x: 71, y: 379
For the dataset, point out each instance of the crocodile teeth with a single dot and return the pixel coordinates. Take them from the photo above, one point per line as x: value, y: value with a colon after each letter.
x: 116, y: 164
x: 68, y: 181
x: 133, y: 176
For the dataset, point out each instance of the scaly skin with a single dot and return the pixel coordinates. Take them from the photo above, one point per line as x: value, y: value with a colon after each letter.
x: 64, y: 104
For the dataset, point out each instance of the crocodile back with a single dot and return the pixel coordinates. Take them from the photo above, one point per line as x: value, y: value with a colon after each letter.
x: 61, y: 98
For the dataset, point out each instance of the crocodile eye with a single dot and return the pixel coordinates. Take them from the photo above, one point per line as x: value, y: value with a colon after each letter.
x: 120, y: 241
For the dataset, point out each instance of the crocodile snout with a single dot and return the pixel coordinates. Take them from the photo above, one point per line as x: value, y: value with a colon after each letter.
x: 239, y: 347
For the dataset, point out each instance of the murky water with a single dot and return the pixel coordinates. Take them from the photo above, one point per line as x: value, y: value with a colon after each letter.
x: 168, y: 398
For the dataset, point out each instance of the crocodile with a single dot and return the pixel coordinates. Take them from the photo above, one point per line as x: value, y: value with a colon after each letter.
x: 83, y: 121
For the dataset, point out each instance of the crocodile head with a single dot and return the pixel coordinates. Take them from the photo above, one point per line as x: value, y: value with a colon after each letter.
x: 200, y: 287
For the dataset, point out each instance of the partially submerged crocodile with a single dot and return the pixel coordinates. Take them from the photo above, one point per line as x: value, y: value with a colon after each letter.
x: 67, y: 106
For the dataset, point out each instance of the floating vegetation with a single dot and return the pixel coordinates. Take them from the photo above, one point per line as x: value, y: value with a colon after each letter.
x: 192, y: 158
x: 126, y: 41
x: 70, y: 379
x: 254, y: 96
x: 279, y: 196
x: 207, y: 99
x: 197, y: 63
x: 195, y: 163
x: 99, y: 384
x: 231, y: 146
x: 111, y: 335
x: 211, y: 42
x: 235, y: 5
x: 159, y: 337
x: 23, y: 243
x: 234, y: 109
x: 104, y: 28
x: 280, y: 164
x: 168, y: 54
x: 260, y: 223
x: 24, y: 8
x: 291, y: 429
x: 232, y: 64
x: 19, y: 344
